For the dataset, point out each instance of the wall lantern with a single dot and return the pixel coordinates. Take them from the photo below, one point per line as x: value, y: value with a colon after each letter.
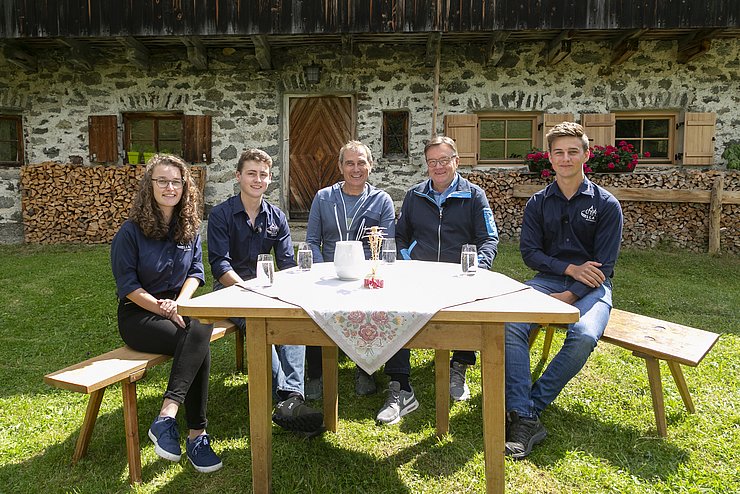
x: 312, y: 73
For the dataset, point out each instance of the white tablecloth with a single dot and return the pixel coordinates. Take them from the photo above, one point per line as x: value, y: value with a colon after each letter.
x: 371, y: 325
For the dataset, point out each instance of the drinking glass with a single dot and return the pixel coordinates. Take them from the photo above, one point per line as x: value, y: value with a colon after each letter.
x: 388, y: 251
x: 469, y: 259
x: 265, y: 270
x: 304, y: 258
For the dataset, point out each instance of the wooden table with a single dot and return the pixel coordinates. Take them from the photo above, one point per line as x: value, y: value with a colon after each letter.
x: 473, y: 326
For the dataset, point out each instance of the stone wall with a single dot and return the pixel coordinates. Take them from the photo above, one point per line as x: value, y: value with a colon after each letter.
x: 247, y: 105
x: 646, y: 224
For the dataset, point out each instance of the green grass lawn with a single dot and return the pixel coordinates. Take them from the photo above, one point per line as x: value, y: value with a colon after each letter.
x: 57, y: 307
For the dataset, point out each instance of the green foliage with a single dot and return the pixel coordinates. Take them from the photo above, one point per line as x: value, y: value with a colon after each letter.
x: 58, y: 308
x: 732, y: 155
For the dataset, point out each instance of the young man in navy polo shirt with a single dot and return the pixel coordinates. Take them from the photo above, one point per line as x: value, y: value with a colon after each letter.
x: 571, y: 234
x: 239, y: 229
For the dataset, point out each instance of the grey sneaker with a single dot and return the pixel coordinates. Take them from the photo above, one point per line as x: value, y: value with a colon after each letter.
x: 364, y: 383
x: 398, y: 404
x: 314, y: 388
x: 522, y: 435
x: 459, y: 390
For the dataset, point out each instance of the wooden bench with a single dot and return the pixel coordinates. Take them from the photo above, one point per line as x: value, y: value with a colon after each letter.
x: 126, y: 366
x: 652, y: 340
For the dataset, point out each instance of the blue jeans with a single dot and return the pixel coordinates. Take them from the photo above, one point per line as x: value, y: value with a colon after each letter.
x: 287, y: 364
x: 527, y: 399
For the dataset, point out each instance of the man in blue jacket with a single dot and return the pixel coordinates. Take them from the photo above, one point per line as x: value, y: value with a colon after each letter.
x: 437, y: 217
x: 571, y: 234
x: 344, y: 211
x: 239, y: 229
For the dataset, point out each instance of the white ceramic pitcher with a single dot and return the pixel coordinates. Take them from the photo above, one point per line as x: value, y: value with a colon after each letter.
x: 349, y: 260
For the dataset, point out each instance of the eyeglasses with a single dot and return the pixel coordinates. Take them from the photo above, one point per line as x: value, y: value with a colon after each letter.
x: 441, y: 162
x: 162, y: 183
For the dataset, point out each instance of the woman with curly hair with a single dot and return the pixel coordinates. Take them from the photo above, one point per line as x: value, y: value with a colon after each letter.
x: 157, y: 261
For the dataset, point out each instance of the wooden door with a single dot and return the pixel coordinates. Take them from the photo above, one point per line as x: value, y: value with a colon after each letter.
x: 319, y: 127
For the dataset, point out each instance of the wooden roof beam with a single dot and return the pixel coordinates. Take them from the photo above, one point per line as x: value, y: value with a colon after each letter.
x: 626, y: 45
x: 347, y: 57
x: 18, y: 56
x: 79, y: 55
x: 434, y: 47
x: 559, y: 47
x: 196, y: 52
x: 695, y: 44
x: 136, y: 53
x: 496, y: 48
x: 262, y: 51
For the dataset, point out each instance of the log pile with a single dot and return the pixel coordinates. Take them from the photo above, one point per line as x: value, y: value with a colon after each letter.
x: 64, y: 203
x: 646, y: 224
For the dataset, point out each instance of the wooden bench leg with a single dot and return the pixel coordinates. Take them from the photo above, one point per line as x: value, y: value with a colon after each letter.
x: 131, y: 424
x: 549, y: 332
x: 677, y: 373
x: 88, y: 424
x: 656, y: 391
x: 546, y: 345
x: 442, y: 390
x: 240, y: 350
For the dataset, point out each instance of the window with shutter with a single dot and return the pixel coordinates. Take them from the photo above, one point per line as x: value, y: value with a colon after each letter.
x: 652, y: 133
x: 547, y: 122
x: 102, y: 134
x: 463, y: 129
x: 599, y: 128
x: 506, y: 138
x: 11, y: 140
x: 196, y: 144
x: 698, y: 138
x: 145, y: 134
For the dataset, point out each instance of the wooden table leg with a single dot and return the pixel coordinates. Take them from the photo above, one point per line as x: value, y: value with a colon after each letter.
x: 260, y: 404
x: 494, y: 412
x: 330, y: 371
x: 442, y: 390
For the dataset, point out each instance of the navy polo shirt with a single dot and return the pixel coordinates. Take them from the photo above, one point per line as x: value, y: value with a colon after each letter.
x: 155, y: 265
x: 234, y: 242
x: 557, y: 231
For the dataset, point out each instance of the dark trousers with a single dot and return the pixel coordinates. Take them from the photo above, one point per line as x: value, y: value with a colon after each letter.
x: 313, y: 362
x: 190, y: 348
x: 400, y: 363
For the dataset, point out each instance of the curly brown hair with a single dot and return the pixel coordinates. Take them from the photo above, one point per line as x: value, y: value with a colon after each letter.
x: 145, y: 211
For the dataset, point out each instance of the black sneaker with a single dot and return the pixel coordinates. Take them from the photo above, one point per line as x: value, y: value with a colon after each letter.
x: 364, y: 383
x: 522, y: 435
x: 294, y: 415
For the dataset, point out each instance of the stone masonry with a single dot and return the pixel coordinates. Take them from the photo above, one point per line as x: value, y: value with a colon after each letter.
x: 247, y: 105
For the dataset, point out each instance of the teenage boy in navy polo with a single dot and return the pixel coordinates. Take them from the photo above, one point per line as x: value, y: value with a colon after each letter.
x: 239, y: 229
x: 571, y: 235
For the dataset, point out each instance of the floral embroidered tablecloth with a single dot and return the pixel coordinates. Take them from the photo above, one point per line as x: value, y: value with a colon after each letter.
x: 370, y: 326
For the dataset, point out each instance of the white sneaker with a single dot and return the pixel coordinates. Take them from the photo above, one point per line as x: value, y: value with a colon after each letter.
x: 459, y: 390
x: 398, y: 404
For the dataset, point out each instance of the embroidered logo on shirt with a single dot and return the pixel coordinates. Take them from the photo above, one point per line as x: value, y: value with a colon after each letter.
x: 589, y: 214
x: 272, y: 230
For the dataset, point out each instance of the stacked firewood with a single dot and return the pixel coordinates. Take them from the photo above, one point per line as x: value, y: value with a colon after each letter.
x: 64, y: 203
x: 647, y: 224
